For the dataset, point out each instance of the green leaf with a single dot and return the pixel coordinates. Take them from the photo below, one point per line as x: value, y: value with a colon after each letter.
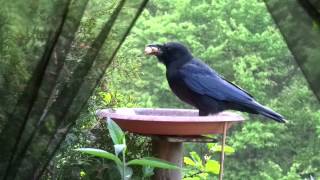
x: 107, y: 97
x: 115, y: 131
x: 153, y: 162
x: 227, y: 149
x: 196, y: 158
x: 212, y: 167
x: 211, y: 145
x: 189, y: 161
x: 100, y: 153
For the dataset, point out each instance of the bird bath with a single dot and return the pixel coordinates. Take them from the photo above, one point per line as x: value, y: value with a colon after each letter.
x: 169, y: 128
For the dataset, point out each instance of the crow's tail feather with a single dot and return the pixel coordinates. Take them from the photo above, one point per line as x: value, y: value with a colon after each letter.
x: 267, y: 112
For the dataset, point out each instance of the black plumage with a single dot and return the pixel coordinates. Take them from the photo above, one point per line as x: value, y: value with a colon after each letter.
x: 197, y: 84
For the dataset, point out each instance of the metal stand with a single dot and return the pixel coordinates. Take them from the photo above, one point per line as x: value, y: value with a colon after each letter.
x: 222, y: 150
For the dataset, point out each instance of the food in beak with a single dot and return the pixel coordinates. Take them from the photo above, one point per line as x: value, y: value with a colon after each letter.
x: 150, y: 50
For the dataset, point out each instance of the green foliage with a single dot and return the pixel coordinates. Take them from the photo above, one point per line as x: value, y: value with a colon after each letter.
x: 118, y: 138
x: 101, y: 153
x: 22, y: 36
x: 204, y: 168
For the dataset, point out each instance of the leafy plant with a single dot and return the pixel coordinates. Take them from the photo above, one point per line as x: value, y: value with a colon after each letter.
x: 204, y: 168
x: 120, y: 147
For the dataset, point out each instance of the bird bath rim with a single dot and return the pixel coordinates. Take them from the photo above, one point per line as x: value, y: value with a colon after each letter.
x: 167, y: 115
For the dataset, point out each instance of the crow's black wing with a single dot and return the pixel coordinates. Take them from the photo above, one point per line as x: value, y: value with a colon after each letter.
x: 201, y: 79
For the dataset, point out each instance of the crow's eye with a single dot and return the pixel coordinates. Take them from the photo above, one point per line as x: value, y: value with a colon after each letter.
x: 167, y: 47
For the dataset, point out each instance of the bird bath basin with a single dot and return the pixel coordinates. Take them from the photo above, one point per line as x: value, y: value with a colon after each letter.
x: 174, y: 122
x: 169, y: 128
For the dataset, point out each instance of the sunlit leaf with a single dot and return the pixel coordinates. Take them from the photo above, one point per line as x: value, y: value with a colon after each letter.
x: 188, y: 161
x: 212, y: 167
x: 211, y: 145
x: 82, y: 173
x: 204, y: 176
x: 196, y: 158
x: 107, y: 97
x: 227, y: 149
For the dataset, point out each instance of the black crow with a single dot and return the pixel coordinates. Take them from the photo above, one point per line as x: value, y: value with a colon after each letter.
x: 197, y: 84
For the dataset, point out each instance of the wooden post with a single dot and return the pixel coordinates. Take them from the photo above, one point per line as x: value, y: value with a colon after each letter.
x: 169, y: 151
x: 222, y: 150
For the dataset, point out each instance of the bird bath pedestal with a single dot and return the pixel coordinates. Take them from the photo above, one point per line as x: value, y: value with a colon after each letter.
x: 169, y: 128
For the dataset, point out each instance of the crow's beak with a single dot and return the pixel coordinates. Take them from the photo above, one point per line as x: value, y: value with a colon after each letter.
x: 152, y: 50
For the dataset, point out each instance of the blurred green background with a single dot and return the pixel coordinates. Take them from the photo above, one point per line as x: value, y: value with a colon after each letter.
x: 239, y: 39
